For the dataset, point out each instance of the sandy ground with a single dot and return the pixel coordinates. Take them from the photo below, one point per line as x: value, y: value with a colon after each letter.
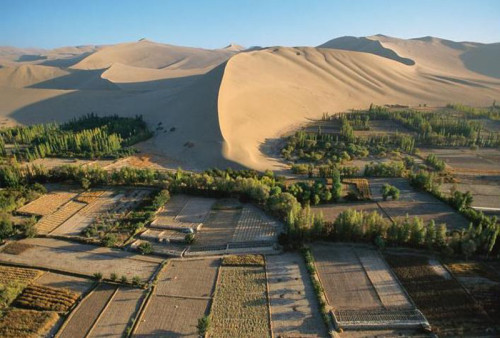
x: 294, y: 307
x: 224, y: 108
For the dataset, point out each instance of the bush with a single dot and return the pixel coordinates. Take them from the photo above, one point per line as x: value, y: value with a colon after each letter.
x: 203, y: 325
x: 113, y: 276
x: 124, y: 279
x: 98, y: 276
x: 145, y: 248
x: 189, y: 239
x: 388, y: 190
x: 136, y: 280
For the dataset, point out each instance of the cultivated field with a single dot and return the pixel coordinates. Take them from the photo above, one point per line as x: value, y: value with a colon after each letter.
x: 449, y: 309
x: 464, y: 160
x: 362, y: 290
x: 26, y: 323
x: 240, y: 303
x: 255, y: 225
x: 486, y: 194
x: 50, y: 222
x: 83, y: 259
x: 218, y: 229
x: 362, y: 187
x: 21, y: 275
x: 182, y: 295
x: 482, y: 282
x: 119, y: 312
x: 82, y: 319
x: 45, y: 298
x: 47, y: 204
x: 294, y: 307
x: 183, y: 211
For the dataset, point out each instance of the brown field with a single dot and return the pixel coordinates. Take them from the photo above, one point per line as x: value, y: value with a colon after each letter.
x: 119, y: 313
x: 15, y: 248
x: 82, y: 319
x: 484, y: 160
x: 243, y: 260
x: 449, y: 309
x: 172, y: 317
x: 218, y: 229
x: 47, y: 204
x: 294, y: 307
x: 362, y: 186
x: 383, y: 127
x: 50, y: 222
x: 83, y: 259
x: 482, y: 282
x: 26, y: 323
x: 439, y: 212
x: 45, y: 298
x: 486, y: 194
x: 22, y: 275
x: 77, y: 285
x: 255, y: 225
x: 240, y: 303
x: 407, y: 193
x: 331, y: 211
x: 182, y: 295
x: 53, y: 162
x: 189, y: 278
x: 183, y: 211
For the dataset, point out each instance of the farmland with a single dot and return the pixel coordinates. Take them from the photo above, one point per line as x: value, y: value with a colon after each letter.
x: 85, y: 315
x: 74, y: 284
x: 47, y: 204
x: 26, y: 323
x: 45, y: 298
x: 240, y: 303
x: 294, y: 307
x: 362, y: 290
x: 464, y: 160
x: 21, y: 275
x: 182, y: 295
x: 82, y: 259
x: 449, y: 309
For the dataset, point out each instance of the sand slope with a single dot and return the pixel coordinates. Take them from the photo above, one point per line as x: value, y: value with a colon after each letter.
x: 224, y: 107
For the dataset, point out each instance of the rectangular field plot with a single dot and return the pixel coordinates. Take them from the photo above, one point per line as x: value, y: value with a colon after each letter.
x: 362, y: 290
x: 171, y: 317
x: 50, y: 222
x: 47, y: 203
x: 383, y: 127
x: 188, y: 278
x: 15, y: 274
x: 255, y: 225
x: 218, y: 229
x: 183, y: 211
x: 240, y: 303
x: 182, y: 295
x: 449, y: 309
x: 82, y: 319
x: 83, y: 259
x: 407, y: 193
x: 439, y: 212
x: 486, y: 197
x: 484, y: 161
x: 119, y: 313
x: 27, y: 323
x: 294, y: 307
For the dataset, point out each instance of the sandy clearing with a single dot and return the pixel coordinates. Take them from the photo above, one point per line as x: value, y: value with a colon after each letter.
x: 294, y: 307
x: 72, y: 283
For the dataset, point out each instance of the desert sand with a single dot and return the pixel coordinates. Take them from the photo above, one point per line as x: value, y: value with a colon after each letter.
x: 224, y: 107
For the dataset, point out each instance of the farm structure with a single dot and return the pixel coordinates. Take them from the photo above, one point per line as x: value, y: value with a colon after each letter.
x: 362, y: 291
x: 82, y: 259
x: 448, y: 307
x: 241, y: 302
x: 182, y: 295
x: 294, y: 307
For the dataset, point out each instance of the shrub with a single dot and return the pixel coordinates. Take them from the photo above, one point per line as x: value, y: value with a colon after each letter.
x: 189, y: 239
x: 113, y: 276
x: 98, y: 276
x: 145, y: 248
x: 136, y: 280
x: 203, y: 325
x: 124, y: 279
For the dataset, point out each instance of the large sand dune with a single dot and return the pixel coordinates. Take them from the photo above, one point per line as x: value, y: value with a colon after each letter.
x: 226, y: 107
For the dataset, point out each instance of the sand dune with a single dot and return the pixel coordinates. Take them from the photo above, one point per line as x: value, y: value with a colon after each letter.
x: 148, y: 54
x: 225, y: 107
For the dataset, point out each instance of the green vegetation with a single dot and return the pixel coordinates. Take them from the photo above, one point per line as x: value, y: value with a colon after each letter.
x: 89, y: 136
x: 388, y: 190
x: 435, y: 162
x: 203, y: 325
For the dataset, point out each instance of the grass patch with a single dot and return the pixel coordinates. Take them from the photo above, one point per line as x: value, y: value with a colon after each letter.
x: 26, y: 323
